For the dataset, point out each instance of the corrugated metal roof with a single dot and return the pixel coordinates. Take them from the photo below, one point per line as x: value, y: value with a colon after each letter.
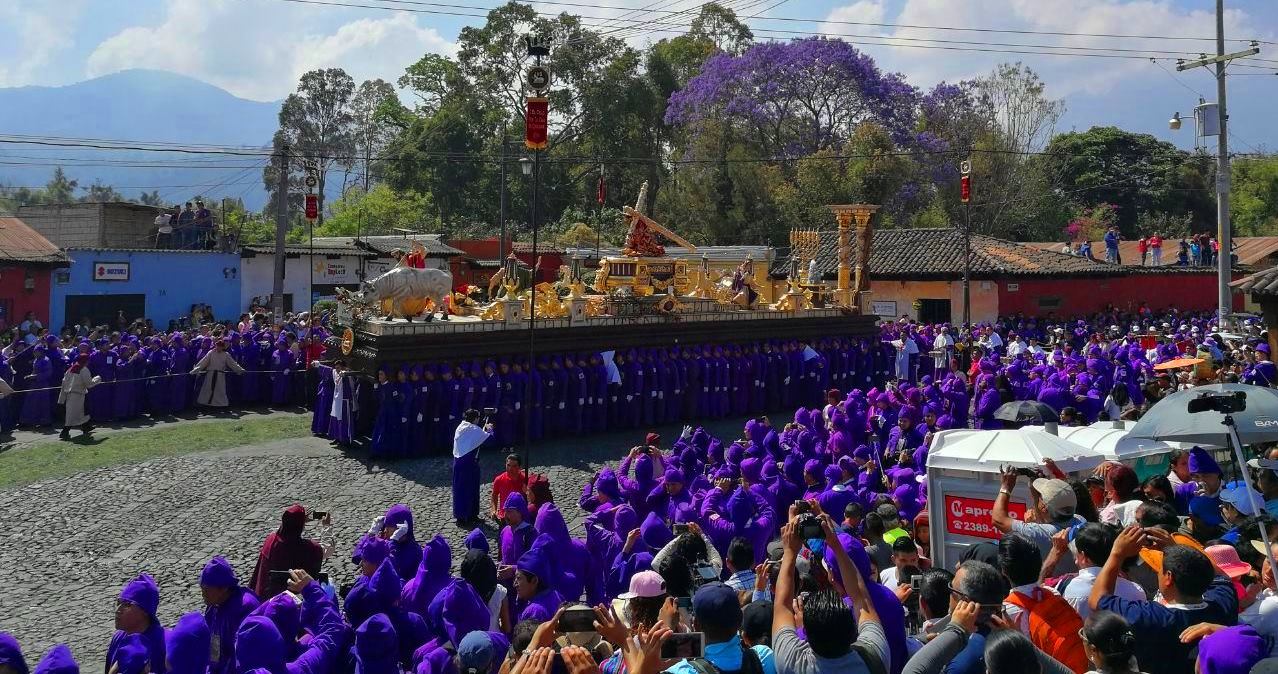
x: 20, y: 243
x: 102, y: 249
x: 543, y: 247
x: 304, y: 249
x: 1251, y: 250
x: 384, y: 244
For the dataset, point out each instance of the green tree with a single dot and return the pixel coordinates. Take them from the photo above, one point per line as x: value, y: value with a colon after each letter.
x: 316, y: 123
x: 1254, y: 196
x: 371, y: 127
x: 151, y: 198
x: 98, y: 193
x: 434, y: 157
x: 379, y: 211
x: 60, y: 189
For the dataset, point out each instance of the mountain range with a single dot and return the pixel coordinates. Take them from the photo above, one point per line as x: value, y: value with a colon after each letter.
x: 138, y: 105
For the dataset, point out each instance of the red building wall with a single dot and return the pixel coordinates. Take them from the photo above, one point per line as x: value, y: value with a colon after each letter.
x: 1186, y: 292
x: 489, y: 249
x: 16, y: 300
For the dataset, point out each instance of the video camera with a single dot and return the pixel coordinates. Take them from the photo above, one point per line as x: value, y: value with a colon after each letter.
x: 1225, y: 403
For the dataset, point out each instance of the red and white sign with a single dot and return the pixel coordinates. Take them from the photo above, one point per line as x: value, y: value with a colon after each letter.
x: 967, y: 516
x: 110, y: 271
x: 536, y: 123
x: 312, y: 207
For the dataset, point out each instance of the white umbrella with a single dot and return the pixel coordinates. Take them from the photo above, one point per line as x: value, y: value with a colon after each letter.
x: 1021, y: 448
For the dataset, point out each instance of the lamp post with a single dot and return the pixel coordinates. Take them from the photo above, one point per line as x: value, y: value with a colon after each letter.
x: 535, y: 139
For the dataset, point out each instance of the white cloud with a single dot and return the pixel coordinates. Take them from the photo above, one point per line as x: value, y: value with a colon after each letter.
x: 258, y: 51
x: 1064, y: 75
x: 33, y: 35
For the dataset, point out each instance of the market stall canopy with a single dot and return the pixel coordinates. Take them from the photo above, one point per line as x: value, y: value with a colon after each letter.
x: 987, y: 451
x: 1171, y: 419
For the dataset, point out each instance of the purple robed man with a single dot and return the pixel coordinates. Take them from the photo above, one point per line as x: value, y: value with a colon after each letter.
x: 518, y: 534
x: 406, y: 552
x: 431, y: 576
x: 181, y: 361
x: 577, y: 573
x: 135, y: 616
x: 535, y: 595
x: 227, y: 604
x: 455, y: 612
x: 11, y: 654
x: 376, y: 647
x: 187, y: 645
x: 57, y: 661
x: 380, y: 594
x: 260, y: 644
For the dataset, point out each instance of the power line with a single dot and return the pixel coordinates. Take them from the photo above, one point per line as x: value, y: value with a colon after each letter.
x: 1009, y: 31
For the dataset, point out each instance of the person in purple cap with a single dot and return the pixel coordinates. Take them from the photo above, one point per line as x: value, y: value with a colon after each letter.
x: 188, y: 646
x: 429, y: 577
x: 535, y: 594
x: 381, y: 595
x: 518, y: 534
x: 57, y: 661
x: 37, y: 410
x: 259, y: 643
x: 226, y: 606
x: 376, y: 647
x: 1232, y: 650
x: 179, y: 385
x: 1262, y: 372
x: 131, y: 657
x: 136, y: 623
x: 11, y: 654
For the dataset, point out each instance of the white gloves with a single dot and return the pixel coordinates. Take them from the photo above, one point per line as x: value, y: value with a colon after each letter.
x: 687, y: 433
x: 377, y: 526
x: 400, y: 531
x: 419, y: 417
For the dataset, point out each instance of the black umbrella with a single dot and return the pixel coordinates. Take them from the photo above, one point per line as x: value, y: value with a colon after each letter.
x: 1024, y: 411
x: 1198, y: 415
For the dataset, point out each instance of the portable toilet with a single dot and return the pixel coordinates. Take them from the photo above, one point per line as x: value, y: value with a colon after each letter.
x: 1144, y: 456
x: 964, y: 468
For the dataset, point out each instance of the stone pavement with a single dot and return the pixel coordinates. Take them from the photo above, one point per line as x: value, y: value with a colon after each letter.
x: 68, y: 545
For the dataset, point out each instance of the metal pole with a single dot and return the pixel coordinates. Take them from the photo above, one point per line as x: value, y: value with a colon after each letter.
x: 281, y: 232
x: 967, y: 264
x: 1224, y: 260
x: 501, y: 242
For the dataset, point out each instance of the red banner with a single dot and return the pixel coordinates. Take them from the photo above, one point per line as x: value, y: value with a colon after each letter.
x: 536, y: 122
x: 312, y: 207
x: 966, y: 516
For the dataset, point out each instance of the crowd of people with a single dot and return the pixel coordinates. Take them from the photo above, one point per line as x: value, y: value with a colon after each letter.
x: 1195, y: 250
x: 108, y: 374
x: 1085, y: 368
x: 190, y: 227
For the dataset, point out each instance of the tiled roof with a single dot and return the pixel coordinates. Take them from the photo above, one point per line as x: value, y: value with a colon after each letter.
x: 713, y: 253
x: 20, y: 243
x: 384, y: 244
x: 938, y: 254
x: 1263, y: 283
x: 543, y: 247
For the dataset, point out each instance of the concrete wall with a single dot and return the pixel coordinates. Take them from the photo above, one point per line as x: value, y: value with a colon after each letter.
x: 985, y: 297
x: 93, y: 225
x: 257, y: 277
x: 1069, y: 297
x: 170, y: 281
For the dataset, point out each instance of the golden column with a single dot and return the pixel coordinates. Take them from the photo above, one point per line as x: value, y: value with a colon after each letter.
x: 848, y: 291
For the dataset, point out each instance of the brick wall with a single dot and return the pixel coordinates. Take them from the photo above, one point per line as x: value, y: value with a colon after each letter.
x: 93, y: 225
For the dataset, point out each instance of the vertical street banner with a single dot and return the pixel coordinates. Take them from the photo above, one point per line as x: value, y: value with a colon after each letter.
x: 536, y: 122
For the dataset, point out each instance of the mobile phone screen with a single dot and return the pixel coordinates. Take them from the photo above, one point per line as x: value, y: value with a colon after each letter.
x: 577, y: 620
x: 684, y: 645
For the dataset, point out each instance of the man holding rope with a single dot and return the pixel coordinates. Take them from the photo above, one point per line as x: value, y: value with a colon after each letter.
x: 214, y: 365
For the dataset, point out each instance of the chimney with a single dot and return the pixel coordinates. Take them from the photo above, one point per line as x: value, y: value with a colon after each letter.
x: 1050, y: 427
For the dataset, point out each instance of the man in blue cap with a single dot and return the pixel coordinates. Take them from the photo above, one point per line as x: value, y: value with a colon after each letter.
x: 1205, y: 505
x: 227, y: 604
x: 716, y: 611
x: 481, y: 652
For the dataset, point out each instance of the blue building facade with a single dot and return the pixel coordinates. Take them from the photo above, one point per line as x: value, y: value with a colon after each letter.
x: 162, y: 285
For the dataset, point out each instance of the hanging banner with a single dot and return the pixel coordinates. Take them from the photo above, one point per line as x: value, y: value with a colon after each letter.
x: 536, y: 122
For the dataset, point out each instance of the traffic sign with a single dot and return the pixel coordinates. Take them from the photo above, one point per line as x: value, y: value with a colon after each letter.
x: 538, y: 78
x: 312, y: 207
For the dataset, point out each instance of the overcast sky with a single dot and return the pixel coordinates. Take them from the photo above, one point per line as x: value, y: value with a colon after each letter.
x: 257, y: 48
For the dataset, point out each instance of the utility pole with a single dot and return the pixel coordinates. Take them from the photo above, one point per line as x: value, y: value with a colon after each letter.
x: 501, y: 241
x: 1224, y: 261
x: 281, y: 232
x: 965, y: 196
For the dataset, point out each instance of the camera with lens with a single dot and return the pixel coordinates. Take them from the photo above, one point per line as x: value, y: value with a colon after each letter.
x: 809, y: 527
x: 702, y: 573
x: 1225, y: 403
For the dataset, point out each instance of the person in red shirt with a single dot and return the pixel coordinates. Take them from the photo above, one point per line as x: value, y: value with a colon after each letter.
x: 416, y: 257
x: 1156, y: 248
x: 506, y: 483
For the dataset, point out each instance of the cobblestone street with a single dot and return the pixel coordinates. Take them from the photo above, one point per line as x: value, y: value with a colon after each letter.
x: 68, y: 545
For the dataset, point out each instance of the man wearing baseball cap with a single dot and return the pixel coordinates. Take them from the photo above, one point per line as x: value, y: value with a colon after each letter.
x: 1235, y: 507
x: 716, y: 612
x: 1052, y: 505
x: 1267, y: 482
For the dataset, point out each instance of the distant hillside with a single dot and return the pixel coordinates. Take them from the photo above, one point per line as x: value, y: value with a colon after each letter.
x: 138, y: 105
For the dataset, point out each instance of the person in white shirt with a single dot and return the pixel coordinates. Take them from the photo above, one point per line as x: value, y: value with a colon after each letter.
x: 1016, y: 347
x: 1262, y: 614
x: 1034, y: 349
x: 1090, y: 542
x: 1179, y: 474
x: 904, y: 553
x: 991, y: 339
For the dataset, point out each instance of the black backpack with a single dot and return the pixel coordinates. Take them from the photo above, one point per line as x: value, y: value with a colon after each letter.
x: 749, y: 664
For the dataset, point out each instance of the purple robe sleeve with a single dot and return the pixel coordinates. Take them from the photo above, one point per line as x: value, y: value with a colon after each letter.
x: 330, y: 633
x: 713, y: 504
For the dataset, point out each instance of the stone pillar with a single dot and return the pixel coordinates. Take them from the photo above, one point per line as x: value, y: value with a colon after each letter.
x: 577, y: 310
x: 512, y: 311
x: 848, y: 214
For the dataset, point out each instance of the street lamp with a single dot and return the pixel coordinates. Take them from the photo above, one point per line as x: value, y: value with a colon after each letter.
x: 526, y: 166
x: 1174, y: 122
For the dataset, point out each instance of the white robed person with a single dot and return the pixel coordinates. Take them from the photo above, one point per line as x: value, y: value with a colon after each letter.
x: 214, y: 365
x: 75, y: 386
x: 466, y: 441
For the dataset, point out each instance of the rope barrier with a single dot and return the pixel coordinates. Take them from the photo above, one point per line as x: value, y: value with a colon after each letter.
x: 161, y: 376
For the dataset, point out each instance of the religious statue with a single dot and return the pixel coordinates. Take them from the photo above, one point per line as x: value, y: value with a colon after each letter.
x: 641, y: 239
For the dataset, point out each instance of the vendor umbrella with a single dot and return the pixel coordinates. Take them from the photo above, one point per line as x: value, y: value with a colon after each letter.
x: 1177, y: 362
x: 1022, y: 411
x: 1223, y: 414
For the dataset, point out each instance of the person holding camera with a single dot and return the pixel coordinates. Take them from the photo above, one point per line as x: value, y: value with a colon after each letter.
x: 466, y: 442
x: 1052, y: 508
x: 717, y: 614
